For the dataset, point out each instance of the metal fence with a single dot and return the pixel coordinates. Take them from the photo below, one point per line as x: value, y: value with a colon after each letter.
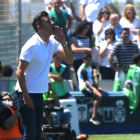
x: 15, y: 25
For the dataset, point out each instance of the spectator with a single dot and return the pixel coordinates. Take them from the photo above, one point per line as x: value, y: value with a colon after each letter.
x: 129, y: 19
x: 105, y: 68
x: 9, y: 120
x: 33, y: 70
x: 59, y: 73
x: 5, y: 71
x: 88, y: 86
x: 49, y: 6
x: 124, y: 51
x: 132, y: 84
x: 114, y: 19
x: 60, y: 18
x: 80, y: 43
x: 100, y: 24
x: 90, y: 8
x: 59, y: 117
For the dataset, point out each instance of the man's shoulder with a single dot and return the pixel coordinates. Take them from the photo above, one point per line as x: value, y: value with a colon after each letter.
x: 118, y: 43
x: 31, y: 42
x: 134, y: 43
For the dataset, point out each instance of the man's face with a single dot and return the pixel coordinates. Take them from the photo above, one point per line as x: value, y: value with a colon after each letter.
x: 48, y: 25
x: 125, y: 35
x: 56, y: 4
x: 114, y: 21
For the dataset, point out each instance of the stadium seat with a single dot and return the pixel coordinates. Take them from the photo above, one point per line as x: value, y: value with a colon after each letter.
x: 69, y: 85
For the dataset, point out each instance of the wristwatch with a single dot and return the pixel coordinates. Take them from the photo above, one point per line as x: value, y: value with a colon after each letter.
x: 64, y: 45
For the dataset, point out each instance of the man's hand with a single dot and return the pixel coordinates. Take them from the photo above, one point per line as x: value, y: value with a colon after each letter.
x: 60, y: 37
x: 28, y: 101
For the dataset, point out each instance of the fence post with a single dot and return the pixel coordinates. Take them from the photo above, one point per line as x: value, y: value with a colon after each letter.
x: 19, y: 33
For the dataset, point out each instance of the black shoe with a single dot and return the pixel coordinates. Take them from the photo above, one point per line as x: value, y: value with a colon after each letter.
x: 95, y: 121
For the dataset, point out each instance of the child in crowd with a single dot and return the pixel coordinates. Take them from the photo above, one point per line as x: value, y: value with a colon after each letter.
x: 58, y: 72
x: 59, y: 117
x: 88, y: 86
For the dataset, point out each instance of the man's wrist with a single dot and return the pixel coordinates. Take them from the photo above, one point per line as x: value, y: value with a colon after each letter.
x: 64, y: 44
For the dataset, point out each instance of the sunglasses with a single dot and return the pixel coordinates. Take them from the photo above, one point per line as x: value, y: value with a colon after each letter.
x: 109, y: 34
x: 104, y: 13
x: 7, y: 99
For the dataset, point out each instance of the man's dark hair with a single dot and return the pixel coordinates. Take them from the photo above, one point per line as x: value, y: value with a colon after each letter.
x: 7, y: 71
x: 136, y: 58
x: 37, y: 19
x: 86, y: 56
x: 125, y: 29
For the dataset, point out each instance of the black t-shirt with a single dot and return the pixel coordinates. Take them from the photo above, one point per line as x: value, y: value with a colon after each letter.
x: 4, y: 115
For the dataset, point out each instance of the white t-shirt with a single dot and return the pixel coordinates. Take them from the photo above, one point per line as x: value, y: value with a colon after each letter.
x: 105, y: 62
x: 93, y: 7
x: 81, y: 81
x: 96, y: 27
x: 125, y: 23
x: 39, y: 55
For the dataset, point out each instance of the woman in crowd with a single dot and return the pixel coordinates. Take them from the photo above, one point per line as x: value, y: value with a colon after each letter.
x: 105, y: 46
x: 80, y: 43
x: 100, y: 24
x: 129, y: 19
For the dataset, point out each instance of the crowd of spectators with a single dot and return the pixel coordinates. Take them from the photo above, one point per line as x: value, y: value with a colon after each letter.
x: 101, y: 41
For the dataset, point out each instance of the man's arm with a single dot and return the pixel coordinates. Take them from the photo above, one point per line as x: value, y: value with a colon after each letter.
x: 21, y: 78
x: 65, y: 53
x: 114, y: 9
x: 82, y: 11
x: 110, y: 58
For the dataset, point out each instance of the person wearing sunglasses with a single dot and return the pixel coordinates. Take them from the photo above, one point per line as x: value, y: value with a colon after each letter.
x: 9, y: 119
x: 100, y: 24
x: 105, y: 46
x: 90, y: 8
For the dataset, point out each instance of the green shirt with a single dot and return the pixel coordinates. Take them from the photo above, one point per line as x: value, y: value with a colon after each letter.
x: 59, y: 87
x: 132, y: 86
x: 60, y: 19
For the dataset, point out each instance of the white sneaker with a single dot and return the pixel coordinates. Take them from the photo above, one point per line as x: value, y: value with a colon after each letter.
x: 95, y: 121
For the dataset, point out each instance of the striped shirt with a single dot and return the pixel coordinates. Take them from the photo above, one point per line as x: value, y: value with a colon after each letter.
x: 81, y: 42
x: 124, y: 54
